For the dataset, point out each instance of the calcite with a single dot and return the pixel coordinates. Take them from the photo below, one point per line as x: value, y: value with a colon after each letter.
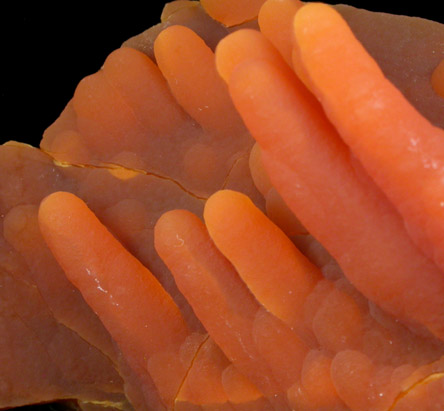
x: 153, y: 131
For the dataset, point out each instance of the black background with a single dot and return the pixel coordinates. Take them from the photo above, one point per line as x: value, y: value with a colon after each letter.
x: 46, y: 51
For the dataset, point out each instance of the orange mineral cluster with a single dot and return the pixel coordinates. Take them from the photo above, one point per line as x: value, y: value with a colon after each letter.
x: 243, y: 209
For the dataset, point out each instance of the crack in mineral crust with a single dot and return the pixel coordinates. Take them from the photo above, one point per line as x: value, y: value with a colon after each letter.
x: 428, y: 379
x: 114, y: 166
x: 60, y: 321
x: 232, y: 167
x: 196, y: 353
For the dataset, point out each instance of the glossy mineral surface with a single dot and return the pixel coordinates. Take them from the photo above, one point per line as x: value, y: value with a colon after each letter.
x: 238, y: 211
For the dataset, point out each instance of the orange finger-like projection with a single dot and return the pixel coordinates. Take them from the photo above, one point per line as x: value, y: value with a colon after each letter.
x: 260, y: 346
x: 248, y: 239
x: 21, y: 229
x: 279, y: 13
x: 142, y: 318
x: 232, y: 12
x: 437, y: 79
x: 402, y: 151
x: 193, y: 79
x: 236, y: 47
x: 321, y: 186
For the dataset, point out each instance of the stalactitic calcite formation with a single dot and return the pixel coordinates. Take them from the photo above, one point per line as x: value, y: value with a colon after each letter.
x: 239, y: 211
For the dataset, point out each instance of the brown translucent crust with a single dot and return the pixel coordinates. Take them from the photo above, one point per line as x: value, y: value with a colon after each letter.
x: 133, y: 145
x: 31, y: 312
x: 177, y: 147
x: 20, y: 229
x: 38, y: 169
